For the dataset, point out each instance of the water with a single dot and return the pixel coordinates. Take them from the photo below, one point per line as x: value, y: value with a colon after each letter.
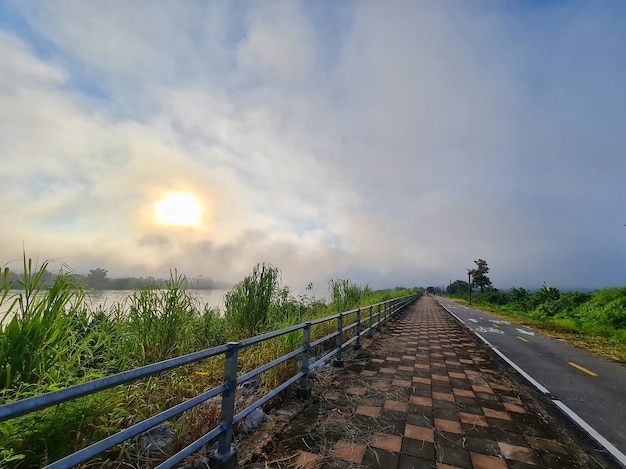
x: 107, y: 298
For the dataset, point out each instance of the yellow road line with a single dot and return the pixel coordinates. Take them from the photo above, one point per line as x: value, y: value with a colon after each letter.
x: 584, y: 370
x: 522, y: 339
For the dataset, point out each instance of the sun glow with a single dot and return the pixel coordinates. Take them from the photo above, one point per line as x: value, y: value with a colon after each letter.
x: 179, y: 208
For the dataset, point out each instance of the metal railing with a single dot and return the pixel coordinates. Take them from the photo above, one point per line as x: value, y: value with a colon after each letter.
x: 225, y: 455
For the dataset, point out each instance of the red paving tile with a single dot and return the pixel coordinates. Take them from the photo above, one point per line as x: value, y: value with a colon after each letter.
x: 448, y: 426
x: 482, y: 461
x: 387, y: 442
x: 368, y: 410
x: 306, y: 460
x: 425, y: 401
x: 348, y: 451
x: 419, y: 433
x: 396, y: 406
x: 518, y: 453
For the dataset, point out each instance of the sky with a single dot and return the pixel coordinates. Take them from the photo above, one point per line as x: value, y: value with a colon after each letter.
x: 390, y: 143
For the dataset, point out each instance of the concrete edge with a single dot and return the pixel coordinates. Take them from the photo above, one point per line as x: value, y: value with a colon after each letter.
x: 569, y: 413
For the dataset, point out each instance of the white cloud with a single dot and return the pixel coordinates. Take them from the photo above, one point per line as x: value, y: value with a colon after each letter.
x: 433, y: 137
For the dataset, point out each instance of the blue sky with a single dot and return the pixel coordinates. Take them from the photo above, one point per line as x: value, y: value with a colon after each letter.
x: 386, y: 142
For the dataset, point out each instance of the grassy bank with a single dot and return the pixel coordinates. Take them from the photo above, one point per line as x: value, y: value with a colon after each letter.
x: 51, y: 338
x: 595, y: 321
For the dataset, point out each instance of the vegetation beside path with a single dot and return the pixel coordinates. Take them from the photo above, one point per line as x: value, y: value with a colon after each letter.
x: 595, y: 321
x: 51, y: 337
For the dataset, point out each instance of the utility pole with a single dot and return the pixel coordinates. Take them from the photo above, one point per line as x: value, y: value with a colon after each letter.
x: 469, y: 284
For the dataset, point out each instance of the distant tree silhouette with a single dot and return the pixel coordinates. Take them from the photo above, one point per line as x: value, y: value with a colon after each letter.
x: 479, y: 275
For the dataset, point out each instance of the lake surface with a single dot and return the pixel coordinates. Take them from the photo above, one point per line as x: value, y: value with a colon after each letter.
x: 107, y: 298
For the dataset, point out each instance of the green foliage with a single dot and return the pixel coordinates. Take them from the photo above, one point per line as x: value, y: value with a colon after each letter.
x: 458, y: 287
x: 479, y: 275
x: 345, y: 295
x: 606, y: 308
x: 247, y: 305
x: 161, y: 321
x: 35, y: 343
x: 602, y: 313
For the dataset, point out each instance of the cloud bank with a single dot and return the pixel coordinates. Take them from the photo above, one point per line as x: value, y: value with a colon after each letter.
x: 389, y: 143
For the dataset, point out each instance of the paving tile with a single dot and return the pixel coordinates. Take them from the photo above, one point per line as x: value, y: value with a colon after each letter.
x: 473, y: 419
x: 518, y: 453
x: 439, y: 377
x: 419, y: 379
x: 443, y: 396
x: 483, y: 446
x: 453, y: 374
x: 368, y: 410
x: 387, y: 442
x: 357, y: 391
x: 496, y: 414
x: 454, y: 457
x: 377, y: 457
x: 515, y: 408
x: 388, y: 371
x: 418, y: 448
x: 369, y: 373
x: 419, y: 433
x: 482, y: 461
x: 545, y: 445
x: 396, y: 406
x: 306, y: 460
x: 448, y: 425
x: 418, y: 400
x: 412, y: 462
x: 463, y: 392
x: 348, y: 451
x: 381, y: 386
x: 485, y: 389
x: 401, y: 382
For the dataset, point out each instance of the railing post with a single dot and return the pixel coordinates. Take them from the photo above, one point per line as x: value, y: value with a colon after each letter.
x: 304, y: 392
x: 378, y: 325
x: 226, y: 455
x: 370, y: 334
x: 357, y: 345
x: 339, y: 358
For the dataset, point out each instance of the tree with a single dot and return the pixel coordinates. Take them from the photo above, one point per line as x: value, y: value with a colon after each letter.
x: 458, y: 287
x: 479, y: 275
x: 97, y: 278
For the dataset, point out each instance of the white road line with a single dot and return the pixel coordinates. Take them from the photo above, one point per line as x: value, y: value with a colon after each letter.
x: 617, y: 454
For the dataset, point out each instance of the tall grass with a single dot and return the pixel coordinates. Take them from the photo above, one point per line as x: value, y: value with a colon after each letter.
x: 247, y: 305
x: 39, y: 336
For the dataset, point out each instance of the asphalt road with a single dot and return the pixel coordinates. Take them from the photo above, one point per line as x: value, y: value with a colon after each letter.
x: 592, y: 387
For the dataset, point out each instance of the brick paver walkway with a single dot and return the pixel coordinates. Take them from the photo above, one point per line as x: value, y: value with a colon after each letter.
x: 423, y: 395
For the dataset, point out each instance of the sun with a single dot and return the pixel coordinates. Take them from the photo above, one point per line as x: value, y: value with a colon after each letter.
x: 179, y: 208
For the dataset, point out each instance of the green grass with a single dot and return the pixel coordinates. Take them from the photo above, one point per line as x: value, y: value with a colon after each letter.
x: 51, y: 338
x: 594, y: 321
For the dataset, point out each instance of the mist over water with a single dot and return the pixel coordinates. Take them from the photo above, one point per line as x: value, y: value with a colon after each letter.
x: 106, y: 299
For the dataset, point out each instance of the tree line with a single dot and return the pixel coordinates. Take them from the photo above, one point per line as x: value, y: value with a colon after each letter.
x: 98, y: 279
